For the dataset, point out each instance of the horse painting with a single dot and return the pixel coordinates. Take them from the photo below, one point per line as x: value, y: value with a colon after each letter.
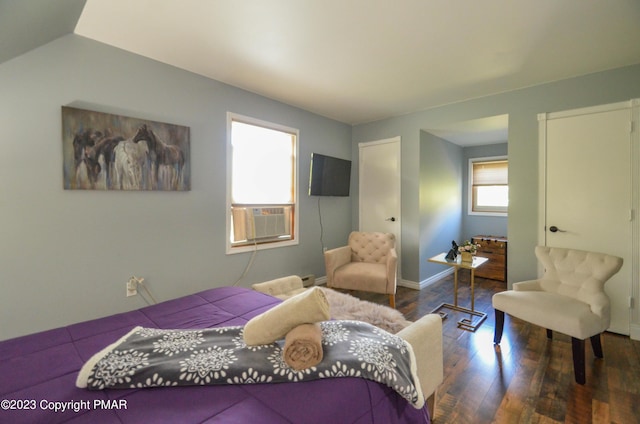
x: 102, y: 151
x: 167, y: 160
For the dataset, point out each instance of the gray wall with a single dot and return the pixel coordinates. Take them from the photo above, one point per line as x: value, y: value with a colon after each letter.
x: 66, y: 255
x: 441, y: 171
x: 522, y: 106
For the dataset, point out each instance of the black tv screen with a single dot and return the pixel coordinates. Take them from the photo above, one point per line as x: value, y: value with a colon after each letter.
x: 329, y: 176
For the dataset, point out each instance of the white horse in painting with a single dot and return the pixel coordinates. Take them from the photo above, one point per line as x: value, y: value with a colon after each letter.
x: 131, y: 166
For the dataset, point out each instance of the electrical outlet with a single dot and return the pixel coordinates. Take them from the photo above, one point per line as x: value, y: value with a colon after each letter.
x: 132, y: 287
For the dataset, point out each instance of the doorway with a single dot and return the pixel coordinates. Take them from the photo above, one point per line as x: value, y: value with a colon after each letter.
x: 586, y: 191
x: 445, y: 154
x: 379, y: 207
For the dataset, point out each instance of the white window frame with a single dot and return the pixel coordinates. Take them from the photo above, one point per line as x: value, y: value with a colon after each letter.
x: 470, y: 186
x: 230, y: 248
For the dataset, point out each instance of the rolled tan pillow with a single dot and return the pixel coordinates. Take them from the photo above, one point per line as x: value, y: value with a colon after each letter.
x: 303, y: 346
x: 305, y: 308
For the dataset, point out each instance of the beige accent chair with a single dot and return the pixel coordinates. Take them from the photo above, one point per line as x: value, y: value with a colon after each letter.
x: 368, y: 263
x: 569, y: 299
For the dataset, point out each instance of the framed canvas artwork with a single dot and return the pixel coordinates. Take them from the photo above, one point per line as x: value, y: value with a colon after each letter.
x: 113, y: 152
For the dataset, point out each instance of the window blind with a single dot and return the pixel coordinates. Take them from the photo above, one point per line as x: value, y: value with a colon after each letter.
x: 490, y: 173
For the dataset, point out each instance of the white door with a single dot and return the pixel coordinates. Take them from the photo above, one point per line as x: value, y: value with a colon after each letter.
x: 588, y: 180
x: 379, y: 188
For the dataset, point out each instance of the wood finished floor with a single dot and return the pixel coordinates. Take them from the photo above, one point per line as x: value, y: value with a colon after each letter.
x: 527, y: 379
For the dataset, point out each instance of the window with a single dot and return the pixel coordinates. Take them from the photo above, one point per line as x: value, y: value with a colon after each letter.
x: 261, y: 184
x: 489, y: 189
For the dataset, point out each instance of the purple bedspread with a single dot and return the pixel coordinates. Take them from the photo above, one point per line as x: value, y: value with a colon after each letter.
x: 38, y: 373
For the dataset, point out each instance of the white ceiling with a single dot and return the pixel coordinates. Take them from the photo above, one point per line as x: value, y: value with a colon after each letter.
x: 475, y: 132
x: 363, y: 60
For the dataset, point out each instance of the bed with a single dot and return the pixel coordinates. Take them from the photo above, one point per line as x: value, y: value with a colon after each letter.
x: 39, y: 373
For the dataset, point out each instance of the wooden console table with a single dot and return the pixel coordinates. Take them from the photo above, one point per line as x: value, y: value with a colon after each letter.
x: 465, y: 323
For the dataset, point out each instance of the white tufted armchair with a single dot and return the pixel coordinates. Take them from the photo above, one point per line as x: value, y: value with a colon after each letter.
x: 569, y: 299
x: 368, y: 263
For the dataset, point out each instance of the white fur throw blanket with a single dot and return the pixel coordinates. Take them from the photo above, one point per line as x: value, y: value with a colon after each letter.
x: 344, y: 306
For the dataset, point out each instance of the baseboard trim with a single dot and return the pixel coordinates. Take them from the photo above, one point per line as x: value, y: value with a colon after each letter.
x: 634, y: 331
x: 409, y: 284
x: 406, y: 283
x: 435, y: 278
x: 426, y: 283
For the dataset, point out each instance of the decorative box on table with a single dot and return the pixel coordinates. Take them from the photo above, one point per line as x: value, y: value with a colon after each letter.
x: 495, y: 249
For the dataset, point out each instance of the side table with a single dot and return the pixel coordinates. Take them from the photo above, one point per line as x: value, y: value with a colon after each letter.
x: 465, y: 323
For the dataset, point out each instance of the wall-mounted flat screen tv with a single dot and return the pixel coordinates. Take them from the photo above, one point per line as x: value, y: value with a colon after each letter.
x: 329, y: 176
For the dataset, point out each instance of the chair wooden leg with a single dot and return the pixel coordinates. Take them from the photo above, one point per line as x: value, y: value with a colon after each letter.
x: 392, y: 300
x: 549, y: 334
x: 577, y: 347
x: 596, y: 345
x: 497, y: 334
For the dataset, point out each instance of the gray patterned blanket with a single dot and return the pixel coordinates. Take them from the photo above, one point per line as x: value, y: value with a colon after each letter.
x: 151, y: 357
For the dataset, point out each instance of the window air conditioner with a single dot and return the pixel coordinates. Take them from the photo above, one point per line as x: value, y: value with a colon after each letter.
x: 258, y: 223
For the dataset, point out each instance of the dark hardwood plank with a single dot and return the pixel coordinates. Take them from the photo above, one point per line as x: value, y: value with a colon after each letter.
x: 527, y: 378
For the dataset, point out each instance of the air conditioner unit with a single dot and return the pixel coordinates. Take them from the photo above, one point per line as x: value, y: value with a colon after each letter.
x: 268, y: 222
x: 257, y: 223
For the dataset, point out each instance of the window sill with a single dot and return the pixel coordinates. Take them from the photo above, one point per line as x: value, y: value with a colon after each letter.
x: 499, y: 214
x: 260, y: 246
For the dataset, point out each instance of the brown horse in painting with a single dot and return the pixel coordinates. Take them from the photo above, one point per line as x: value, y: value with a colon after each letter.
x: 161, y: 153
x: 82, y: 141
x: 105, y: 148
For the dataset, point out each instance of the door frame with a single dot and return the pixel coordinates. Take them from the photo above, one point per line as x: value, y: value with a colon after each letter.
x: 395, y: 140
x: 633, y: 106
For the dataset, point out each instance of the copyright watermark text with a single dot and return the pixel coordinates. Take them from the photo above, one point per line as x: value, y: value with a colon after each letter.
x: 61, y: 406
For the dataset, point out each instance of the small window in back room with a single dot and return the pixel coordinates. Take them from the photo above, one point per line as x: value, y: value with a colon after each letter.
x: 488, y: 186
x: 262, y: 184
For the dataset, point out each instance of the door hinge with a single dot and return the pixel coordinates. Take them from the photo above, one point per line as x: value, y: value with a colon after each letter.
x: 630, y: 302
